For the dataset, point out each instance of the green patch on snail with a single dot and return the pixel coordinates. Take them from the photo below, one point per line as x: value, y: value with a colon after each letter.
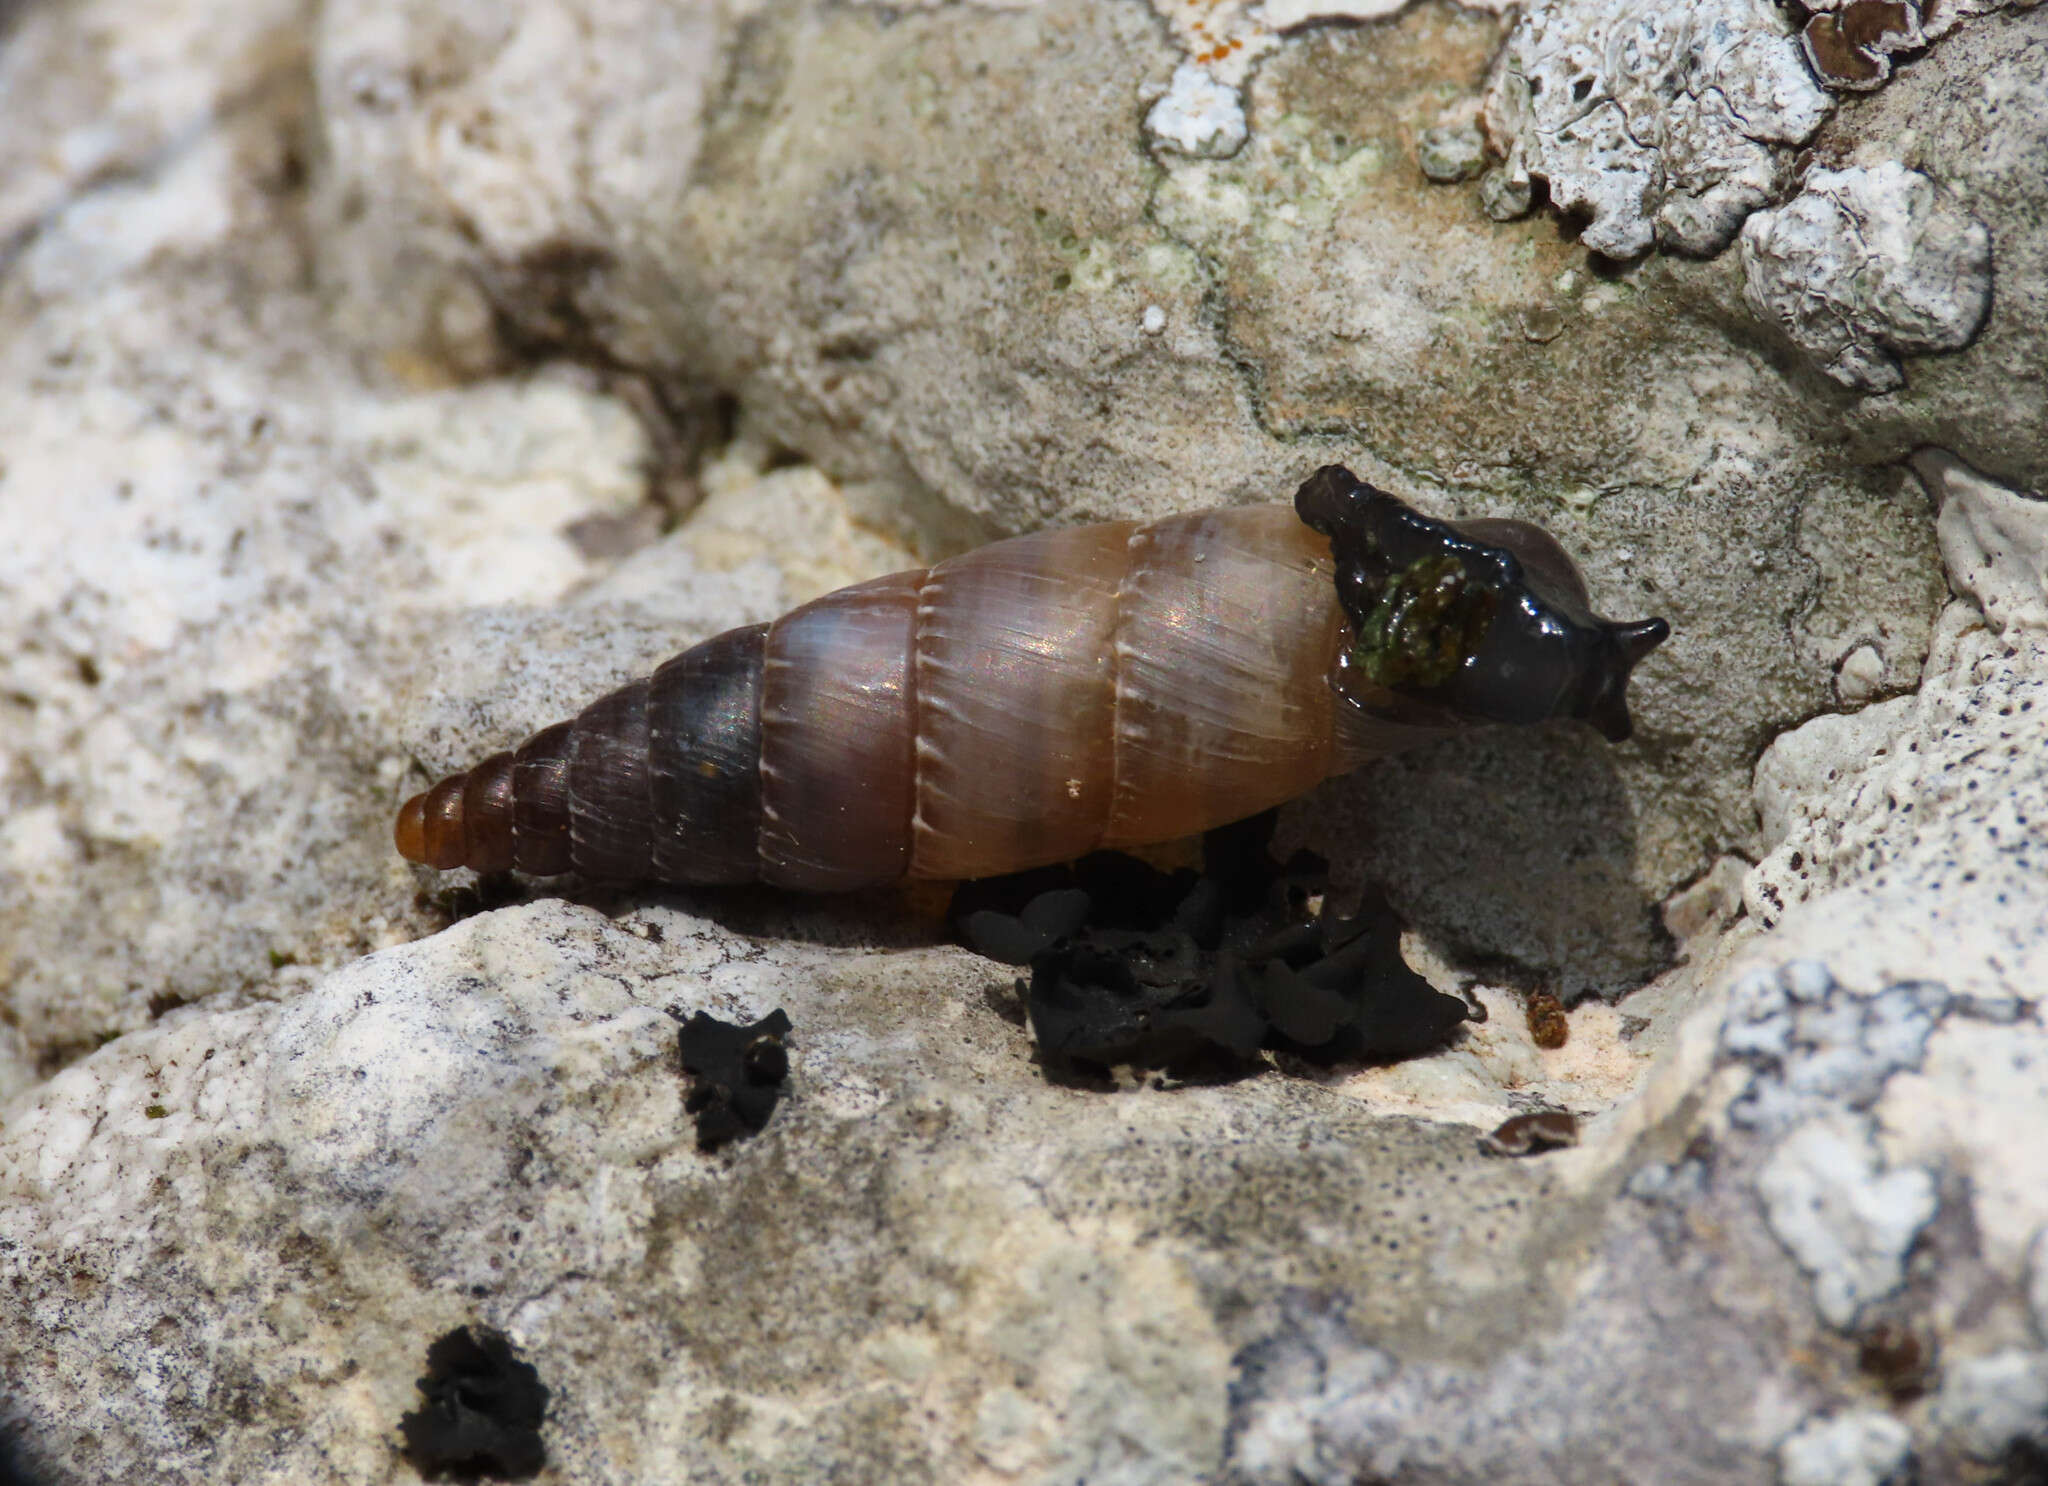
x: 1425, y: 623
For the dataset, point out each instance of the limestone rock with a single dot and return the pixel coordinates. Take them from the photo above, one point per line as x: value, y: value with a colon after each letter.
x: 1931, y: 798
x: 234, y: 563
x: 379, y: 382
x: 489, y: 1123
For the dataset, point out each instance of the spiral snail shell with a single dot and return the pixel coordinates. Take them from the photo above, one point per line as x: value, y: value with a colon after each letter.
x: 1042, y: 697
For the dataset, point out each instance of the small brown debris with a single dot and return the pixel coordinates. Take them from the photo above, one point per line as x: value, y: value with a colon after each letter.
x: 1548, y: 1025
x: 1897, y: 1358
x: 1532, y: 1134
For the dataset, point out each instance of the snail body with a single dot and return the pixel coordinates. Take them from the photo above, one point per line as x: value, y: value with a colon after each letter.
x: 1042, y: 697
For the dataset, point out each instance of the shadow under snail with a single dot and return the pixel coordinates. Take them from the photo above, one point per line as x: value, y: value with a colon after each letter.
x: 1039, y: 698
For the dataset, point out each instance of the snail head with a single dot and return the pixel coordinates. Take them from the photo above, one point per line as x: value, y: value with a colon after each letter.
x: 1457, y: 622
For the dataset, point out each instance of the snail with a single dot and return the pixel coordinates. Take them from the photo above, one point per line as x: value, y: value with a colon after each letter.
x: 1040, y: 698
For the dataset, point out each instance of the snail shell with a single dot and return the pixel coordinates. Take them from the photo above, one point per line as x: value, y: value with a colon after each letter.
x: 1034, y: 700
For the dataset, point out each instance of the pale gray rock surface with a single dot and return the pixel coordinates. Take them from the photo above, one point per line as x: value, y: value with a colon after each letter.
x: 1960, y: 114
x: 246, y: 563
x: 365, y: 382
x: 228, y: 545
x: 1992, y: 542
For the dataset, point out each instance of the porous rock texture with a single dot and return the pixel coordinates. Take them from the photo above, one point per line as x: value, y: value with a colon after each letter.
x: 379, y: 382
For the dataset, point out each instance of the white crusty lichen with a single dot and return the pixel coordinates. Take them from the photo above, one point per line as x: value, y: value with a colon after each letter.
x: 1228, y: 37
x: 1842, y: 1215
x: 1814, y: 1045
x: 1664, y: 124
x: 1820, y: 1055
x: 1860, y: 1448
x: 1988, y: 1405
x: 1863, y: 1447
x: 1198, y: 115
x: 1865, y: 265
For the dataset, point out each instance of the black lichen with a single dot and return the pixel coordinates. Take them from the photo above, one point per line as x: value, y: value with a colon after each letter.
x: 483, y: 1411
x: 737, y: 1071
x: 1186, y: 970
